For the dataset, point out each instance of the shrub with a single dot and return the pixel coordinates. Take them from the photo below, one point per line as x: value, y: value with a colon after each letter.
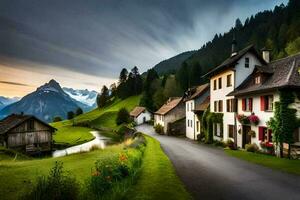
x: 79, y: 111
x: 219, y: 143
x: 159, y: 129
x: 251, y: 147
x: 83, y: 124
x: 70, y: 115
x: 57, y: 119
x: 57, y: 185
x: 230, y: 144
x: 243, y: 119
x: 124, y: 131
x: 123, y: 116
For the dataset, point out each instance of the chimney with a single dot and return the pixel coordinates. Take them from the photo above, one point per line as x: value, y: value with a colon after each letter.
x: 233, y: 46
x: 266, y: 54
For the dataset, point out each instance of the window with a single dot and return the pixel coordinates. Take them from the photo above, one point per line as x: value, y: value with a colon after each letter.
x: 215, y: 84
x: 197, y: 126
x: 215, y: 106
x: 30, y: 125
x: 220, y: 83
x: 217, y: 130
x: 246, y: 62
x: 257, y: 80
x: 231, y: 105
x: 247, y: 104
x: 230, y: 131
x: 264, y: 134
x: 297, y: 135
x: 229, y: 81
x: 220, y: 106
x: 191, y: 123
x: 266, y: 103
x: 188, y: 123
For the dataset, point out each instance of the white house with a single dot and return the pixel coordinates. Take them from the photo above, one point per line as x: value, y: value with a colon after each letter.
x: 257, y: 94
x: 171, y: 111
x: 140, y: 115
x: 195, y: 101
x: 224, y: 79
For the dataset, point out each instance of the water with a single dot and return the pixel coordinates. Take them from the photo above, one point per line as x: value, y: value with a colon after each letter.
x: 99, y: 141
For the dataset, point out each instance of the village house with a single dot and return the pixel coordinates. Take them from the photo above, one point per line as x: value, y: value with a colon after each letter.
x: 26, y: 133
x: 171, y: 111
x: 196, y: 101
x: 140, y: 115
x: 247, y: 84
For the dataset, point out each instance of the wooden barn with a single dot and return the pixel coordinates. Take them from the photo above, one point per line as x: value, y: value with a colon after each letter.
x: 26, y: 133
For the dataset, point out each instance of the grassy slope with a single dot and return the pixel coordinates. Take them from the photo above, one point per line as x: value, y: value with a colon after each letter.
x: 20, y: 175
x: 99, y: 118
x: 282, y: 164
x: 158, y: 179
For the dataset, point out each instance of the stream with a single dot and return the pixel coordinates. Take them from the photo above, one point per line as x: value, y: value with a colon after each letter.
x: 99, y: 141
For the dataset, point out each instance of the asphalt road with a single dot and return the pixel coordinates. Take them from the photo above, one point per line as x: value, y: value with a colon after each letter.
x: 208, y: 173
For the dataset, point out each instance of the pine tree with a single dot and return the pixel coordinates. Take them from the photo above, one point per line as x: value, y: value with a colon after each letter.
x: 103, y: 98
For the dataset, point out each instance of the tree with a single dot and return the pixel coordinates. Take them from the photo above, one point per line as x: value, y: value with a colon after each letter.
x: 122, y: 116
x: 57, y: 119
x: 172, y: 88
x: 238, y: 24
x: 182, y: 76
x: 147, y: 97
x: 113, y: 90
x: 123, y: 76
x: 293, y: 47
x: 195, y: 75
x: 103, y: 98
x: 70, y: 115
x: 79, y: 111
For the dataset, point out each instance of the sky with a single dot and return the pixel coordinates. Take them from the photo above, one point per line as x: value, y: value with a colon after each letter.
x: 84, y: 44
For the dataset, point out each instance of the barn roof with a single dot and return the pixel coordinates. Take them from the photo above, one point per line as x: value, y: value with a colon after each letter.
x: 283, y: 73
x: 169, y: 105
x: 203, y: 105
x: 137, y: 111
x: 14, y: 120
x: 197, y: 91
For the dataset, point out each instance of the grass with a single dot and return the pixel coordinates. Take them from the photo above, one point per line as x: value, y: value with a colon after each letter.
x: 18, y: 176
x: 72, y: 135
x: 105, y: 120
x: 282, y: 164
x: 158, y: 179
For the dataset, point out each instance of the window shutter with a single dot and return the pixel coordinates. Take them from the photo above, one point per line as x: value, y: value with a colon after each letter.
x: 235, y: 105
x: 270, y: 135
x: 244, y: 104
x: 250, y: 104
x: 260, y: 133
x: 262, y: 103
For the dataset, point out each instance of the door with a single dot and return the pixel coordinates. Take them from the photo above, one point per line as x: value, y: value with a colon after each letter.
x: 144, y: 119
x: 29, y: 138
x: 246, y: 136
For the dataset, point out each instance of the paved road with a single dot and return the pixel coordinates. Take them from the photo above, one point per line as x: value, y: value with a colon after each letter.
x: 209, y: 173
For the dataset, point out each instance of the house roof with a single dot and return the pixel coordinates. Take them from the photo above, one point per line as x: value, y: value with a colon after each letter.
x: 283, y: 73
x: 231, y: 61
x: 169, y: 105
x: 197, y: 91
x: 203, y: 105
x: 14, y: 120
x: 137, y: 111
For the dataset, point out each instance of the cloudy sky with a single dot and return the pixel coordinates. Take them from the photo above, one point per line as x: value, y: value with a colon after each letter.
x: 85, y: 43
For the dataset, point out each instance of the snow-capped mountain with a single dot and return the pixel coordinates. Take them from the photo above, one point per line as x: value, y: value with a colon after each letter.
x: 46, y: 102
x: 84, y: 96
x: 5, y: 101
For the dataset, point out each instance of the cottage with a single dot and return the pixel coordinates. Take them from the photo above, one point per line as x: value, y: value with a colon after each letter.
x: 26, y: 133
x: 196, y: 101
x: 140, y: 115
x: 171, y: 111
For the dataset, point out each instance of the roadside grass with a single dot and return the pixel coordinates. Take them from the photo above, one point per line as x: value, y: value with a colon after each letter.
x: 158, y: 179
x: 72, y: 135
x: 17, y: 177
x: 282, y: 164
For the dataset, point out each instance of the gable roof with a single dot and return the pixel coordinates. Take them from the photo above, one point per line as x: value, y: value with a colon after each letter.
x: 203, y: 105
x: 283, y: 73
x: 197, y: 91
x: 231, y: 61
x: 14, y: 120
x: 169, y: 105
x: 137, y: 111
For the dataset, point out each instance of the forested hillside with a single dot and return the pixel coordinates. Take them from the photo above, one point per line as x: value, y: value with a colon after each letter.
x: 277, y: 29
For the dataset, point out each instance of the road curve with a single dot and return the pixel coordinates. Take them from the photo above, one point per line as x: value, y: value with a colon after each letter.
x: 209, y: 173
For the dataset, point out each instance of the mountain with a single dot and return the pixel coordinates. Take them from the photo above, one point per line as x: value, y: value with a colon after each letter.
x: 173, y: 63
x: 46, y: 102
x: 86, y: 97
x: 5, y: 101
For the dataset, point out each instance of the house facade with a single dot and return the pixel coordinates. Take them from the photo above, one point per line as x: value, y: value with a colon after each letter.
x: 140, y: 115
x: 194, y: 99
x: 171, y: 111
x: 26, y: 133
x: 224, y: 79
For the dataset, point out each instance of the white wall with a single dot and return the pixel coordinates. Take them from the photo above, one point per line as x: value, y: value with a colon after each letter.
x: 190, y: 119
x: 159, y: 119
x: 140, y: 119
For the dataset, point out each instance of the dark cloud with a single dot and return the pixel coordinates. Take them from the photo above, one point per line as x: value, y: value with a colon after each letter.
x: 100, y: 37
x: 13, y: 83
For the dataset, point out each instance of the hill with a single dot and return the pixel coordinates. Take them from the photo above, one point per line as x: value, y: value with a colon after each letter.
x: 172, y: 64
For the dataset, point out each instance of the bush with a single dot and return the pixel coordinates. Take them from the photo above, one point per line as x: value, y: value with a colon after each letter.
x: 219, y: 143
x: 79, y: 111
x: 230, y: 144
x: 57, y: 119
x: 70, y: 115
x: 159, y: 129
x: 123, y: 116
x: 125, y: 131
x: 251, y: 147
x: 57, y: 185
